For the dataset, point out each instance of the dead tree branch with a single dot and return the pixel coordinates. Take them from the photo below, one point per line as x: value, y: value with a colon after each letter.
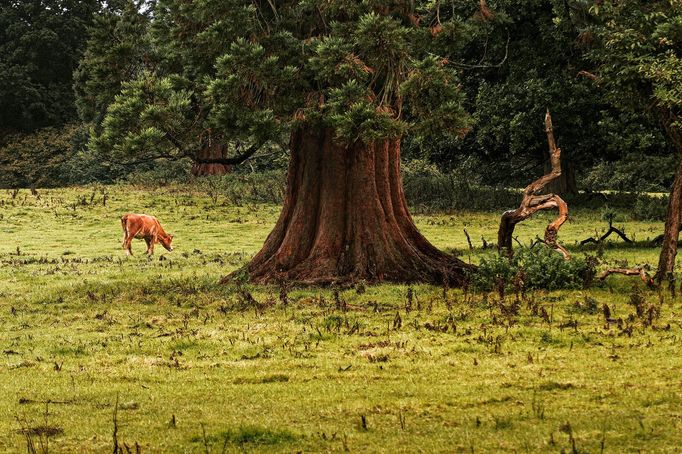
x: 637, y: 271
x: 533, y: 202
x: 611, y: 230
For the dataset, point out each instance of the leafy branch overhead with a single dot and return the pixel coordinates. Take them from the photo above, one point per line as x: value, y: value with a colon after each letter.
x: 250, y: 72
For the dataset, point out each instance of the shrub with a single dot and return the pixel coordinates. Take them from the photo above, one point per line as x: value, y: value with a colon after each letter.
x: 538, y: 268
x: 429, y: 189
x: 163, y: 173
x: 635, y: 172
x: 648, y: 208
x: 240, y: 188
x: 35, y: 160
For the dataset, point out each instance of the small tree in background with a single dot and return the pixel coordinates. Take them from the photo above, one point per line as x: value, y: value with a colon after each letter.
x: 639, y: 54
x: 160, y: 69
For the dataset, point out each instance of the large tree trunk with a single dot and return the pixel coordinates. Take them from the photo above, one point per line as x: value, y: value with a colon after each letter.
x: 345, y: 218
x: 666, y: 261
x: 213, y: 151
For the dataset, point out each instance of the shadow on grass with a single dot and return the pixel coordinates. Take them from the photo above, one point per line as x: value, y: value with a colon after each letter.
x: 249, y: 434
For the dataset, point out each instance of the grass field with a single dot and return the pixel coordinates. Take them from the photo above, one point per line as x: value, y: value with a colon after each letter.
x: 94, y: 342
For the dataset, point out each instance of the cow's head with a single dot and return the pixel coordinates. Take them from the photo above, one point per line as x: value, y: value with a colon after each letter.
x: 166, y: 242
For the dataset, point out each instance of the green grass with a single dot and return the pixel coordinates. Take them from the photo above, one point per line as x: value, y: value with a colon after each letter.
x: 195, y: 365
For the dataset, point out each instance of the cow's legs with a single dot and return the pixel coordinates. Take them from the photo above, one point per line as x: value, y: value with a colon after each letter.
x: 129, y: 245
x: 150, y: 244
x: 128, y: 242
x: 124, y: 245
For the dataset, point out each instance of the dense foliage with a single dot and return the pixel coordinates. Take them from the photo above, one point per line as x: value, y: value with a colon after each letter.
x: 533, y: 268
x: 41, y: 43
x: 176, y: 77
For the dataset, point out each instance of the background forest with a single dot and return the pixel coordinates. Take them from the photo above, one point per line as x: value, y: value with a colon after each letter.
x: 64, y: 63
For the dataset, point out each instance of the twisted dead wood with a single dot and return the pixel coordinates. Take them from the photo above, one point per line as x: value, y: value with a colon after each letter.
x: 532, y: 202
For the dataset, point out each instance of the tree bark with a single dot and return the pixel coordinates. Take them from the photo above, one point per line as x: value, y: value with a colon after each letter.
x: 533, y: 202
x: 671, y: 233
x: 203, y: 166
x: 345, y: 218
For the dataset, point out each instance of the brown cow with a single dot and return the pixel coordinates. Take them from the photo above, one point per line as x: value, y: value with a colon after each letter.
x: 147, y: 227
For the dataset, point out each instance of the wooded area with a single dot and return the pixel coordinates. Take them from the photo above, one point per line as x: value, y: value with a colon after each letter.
x: 96, y: 91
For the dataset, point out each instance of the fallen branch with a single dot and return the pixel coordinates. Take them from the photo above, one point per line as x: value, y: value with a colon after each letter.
x: 611, y: 230
x: 637, y: 271
x: 533, y: 202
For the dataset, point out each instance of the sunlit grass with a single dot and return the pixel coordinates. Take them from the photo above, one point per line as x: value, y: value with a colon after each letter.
x: 194, y: 364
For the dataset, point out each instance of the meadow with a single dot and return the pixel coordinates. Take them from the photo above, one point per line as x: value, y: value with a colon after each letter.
x: 151, y: 354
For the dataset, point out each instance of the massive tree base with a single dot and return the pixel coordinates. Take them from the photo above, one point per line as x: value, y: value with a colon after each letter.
x: 345, y: 219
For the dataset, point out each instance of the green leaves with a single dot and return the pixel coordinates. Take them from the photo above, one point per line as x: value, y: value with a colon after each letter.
x: 250, y: 91
x: 116, y: 52
x: 354, y: 115
x: 533, y: 268
x: 335, y: 62
x: 151, y: 117
x: 665, y: 74
x: 435, y: 100
x: 341, y: 63
x: 640, y: 52
x: 248, y: 72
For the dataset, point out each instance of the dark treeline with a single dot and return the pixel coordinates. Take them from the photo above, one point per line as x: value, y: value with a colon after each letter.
x: 64, y: 62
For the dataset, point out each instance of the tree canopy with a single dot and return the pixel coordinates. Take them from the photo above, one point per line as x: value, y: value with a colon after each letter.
x: 41, y: 43
x: 241, y: 74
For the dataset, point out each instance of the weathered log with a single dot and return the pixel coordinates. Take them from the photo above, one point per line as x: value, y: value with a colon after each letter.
x: 637, y: 271
x: 532, y: 202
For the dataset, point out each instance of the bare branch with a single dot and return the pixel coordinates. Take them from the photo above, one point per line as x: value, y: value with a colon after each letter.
x: 637, y: 271
x: 230, y: 161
